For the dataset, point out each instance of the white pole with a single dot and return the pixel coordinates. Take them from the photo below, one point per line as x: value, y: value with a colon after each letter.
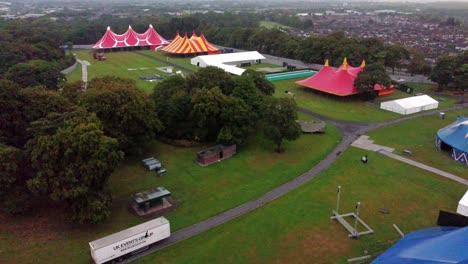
x: 338, y: 200
x: 356, y: 218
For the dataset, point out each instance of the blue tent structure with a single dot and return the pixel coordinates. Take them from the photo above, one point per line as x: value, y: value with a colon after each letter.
x: 430, y: 246
x: 454, y: 137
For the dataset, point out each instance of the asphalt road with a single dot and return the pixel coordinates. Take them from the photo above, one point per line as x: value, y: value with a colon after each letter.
x: 350, y: 131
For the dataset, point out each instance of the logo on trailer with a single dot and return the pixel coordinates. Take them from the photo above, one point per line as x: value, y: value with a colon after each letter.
x: 133, y: 242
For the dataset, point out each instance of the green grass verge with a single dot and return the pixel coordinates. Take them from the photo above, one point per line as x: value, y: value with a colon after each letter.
x: 201, y: 192
x: 418, y: 136
x: 297, y: 227
x: 343, y: 108
x: 270, y: 25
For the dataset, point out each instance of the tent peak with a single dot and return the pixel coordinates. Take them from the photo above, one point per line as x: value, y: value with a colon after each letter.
x: 151, y: 26
x: 345, y: 64
x: 363, y: 64
x: 129, y: 26
x: 194, y: 34
x: 108, y: 28
x: 326, y: 63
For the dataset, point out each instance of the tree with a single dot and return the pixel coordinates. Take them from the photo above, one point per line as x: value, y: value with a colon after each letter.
x: 207, y: 108
x: 262, y: 84
x: 14, y: 172
x: 210, y: 77
x: 460, y: 75
x: 73, y: 160
x: 126, y: 112
x: 12, y: 122
x: 279, y: 117
x: 443, y: 71
x: 416, y: 63
x: 394, y: 54
x: 173, y: 106
x: 35, y: 73
x: 238, y: 120
x: 371, y: 75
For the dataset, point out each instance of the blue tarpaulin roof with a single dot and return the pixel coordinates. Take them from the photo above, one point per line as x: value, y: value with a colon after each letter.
x: 456, y: 134
x: 432, y: 245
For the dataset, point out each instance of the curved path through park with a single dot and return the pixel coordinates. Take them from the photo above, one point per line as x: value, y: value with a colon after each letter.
x: 350, y: 132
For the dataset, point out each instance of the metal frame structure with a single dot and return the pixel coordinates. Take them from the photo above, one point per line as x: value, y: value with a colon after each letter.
x: 340, y: 217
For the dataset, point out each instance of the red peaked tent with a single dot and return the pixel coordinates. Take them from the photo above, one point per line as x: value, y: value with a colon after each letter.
x: 130, y: 39
x: 338, y: 82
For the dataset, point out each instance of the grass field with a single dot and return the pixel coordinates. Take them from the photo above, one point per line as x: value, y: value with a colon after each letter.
x: 119, y: 63
x: 418, y: 136
x: 177, y: 60
x: 422, y: 87
x: 263, y: 65
x: 270, y: 25
x: 297, y: 229
x: 342, y: 108
x: 201, y: 192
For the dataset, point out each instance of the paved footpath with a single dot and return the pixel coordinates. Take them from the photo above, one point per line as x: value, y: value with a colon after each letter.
x: 350, y: 132
x: 424, y: 167
x: 84, y: 70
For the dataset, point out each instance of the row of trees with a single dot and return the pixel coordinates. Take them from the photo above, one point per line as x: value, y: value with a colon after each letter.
x: 211, y: 105
x: 40, y: 38
x: 451, y: 71
x: 62, y: 146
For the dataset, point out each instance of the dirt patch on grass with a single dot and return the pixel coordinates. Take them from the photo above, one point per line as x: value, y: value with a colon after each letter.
x: 313, y: 245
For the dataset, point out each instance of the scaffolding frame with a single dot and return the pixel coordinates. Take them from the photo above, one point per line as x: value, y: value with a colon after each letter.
x: 353, y: 231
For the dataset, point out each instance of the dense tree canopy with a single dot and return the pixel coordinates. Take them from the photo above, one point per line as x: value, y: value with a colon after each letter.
x: 34, y: 73
x: 443, y: 71
x: 12, y: 123
x: 14, y: 172
x: 73, y: 160
x: 126, y: 112
x: 210, y: 105
x: 371, y: 75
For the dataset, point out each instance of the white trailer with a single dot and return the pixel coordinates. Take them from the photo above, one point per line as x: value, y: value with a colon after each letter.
x: 119, y: 246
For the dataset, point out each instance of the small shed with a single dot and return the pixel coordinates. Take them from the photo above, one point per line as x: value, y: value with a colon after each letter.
x: 312, y: 126
x: 215, y: 154
x: 147, y: 199
x: 152, y: 163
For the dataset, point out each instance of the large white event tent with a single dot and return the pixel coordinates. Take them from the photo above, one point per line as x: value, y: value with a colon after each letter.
x: 463, y: 205
x: 410, y: 105
x: 228, y: 61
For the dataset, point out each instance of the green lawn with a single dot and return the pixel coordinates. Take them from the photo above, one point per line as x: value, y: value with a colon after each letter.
x: 271, y: 24
x: 177, y: 60
x: 119, y: 63
x: 418, y: 136
x: 201, y: 192
x: 263, y: 65
x: 297, y: 229
x: 422, y: 87
x: 342, y: 108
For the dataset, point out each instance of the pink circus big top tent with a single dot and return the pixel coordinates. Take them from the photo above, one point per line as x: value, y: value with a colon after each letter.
x: 339, y: 82
x: 131, y: 38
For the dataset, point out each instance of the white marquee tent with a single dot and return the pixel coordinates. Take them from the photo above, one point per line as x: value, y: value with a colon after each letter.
x: 410, y: 105
x: 228, y: 61
x: 463, y: 205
